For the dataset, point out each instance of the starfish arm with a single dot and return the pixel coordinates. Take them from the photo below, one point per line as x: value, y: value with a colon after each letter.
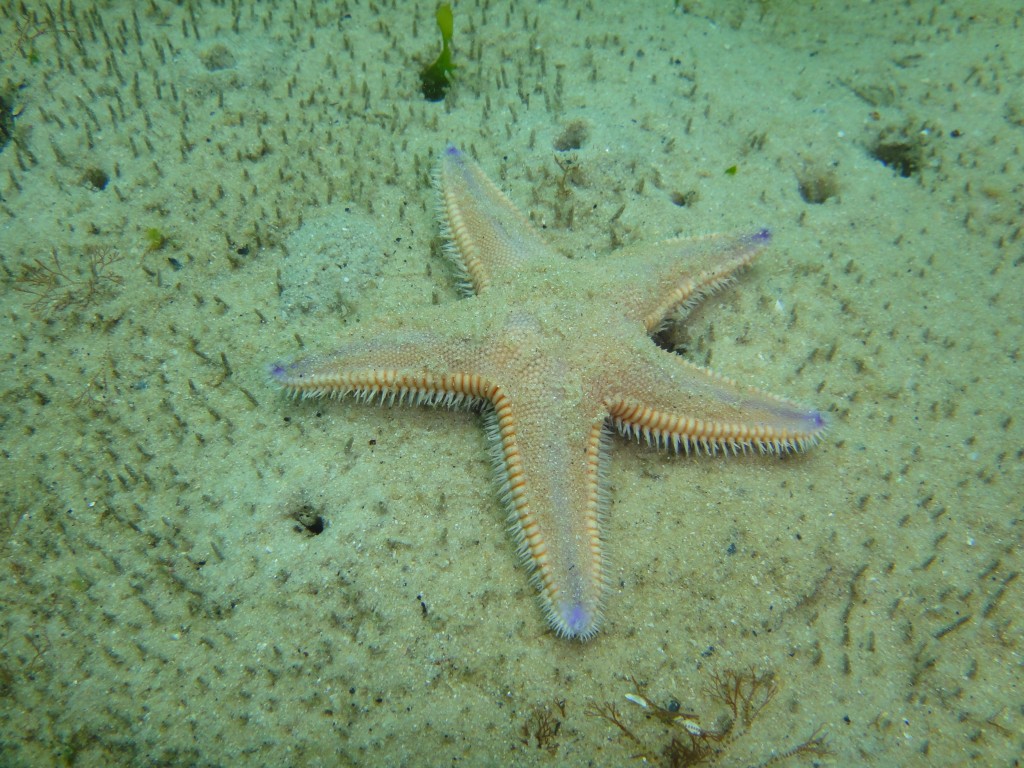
x: 552, y: 484
x: 488, y: 235
x: 418, y: 367
x: 673, y: 275
x: 682, y: 406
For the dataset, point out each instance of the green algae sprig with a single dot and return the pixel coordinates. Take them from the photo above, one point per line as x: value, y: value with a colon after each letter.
x: 155, y: 238
x: 436, y: 78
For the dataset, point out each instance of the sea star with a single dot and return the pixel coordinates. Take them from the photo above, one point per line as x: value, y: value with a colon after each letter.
x: 557, y: 352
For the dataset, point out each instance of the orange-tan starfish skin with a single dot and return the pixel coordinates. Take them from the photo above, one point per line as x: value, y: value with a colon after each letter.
x: 559, y: 352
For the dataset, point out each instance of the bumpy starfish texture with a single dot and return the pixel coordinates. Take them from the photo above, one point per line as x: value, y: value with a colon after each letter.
x: 558, y: 352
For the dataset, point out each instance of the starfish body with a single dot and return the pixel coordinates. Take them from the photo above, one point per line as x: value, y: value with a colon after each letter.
x: 558, y: 353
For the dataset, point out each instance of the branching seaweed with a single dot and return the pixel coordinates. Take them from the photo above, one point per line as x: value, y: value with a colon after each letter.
x: 608, y: 711
x: 58, y: 287
x: 744, y: 694
x: 14, y: 664
x: 29, y: 28
x: 815, y: 745
x: 542, y: 726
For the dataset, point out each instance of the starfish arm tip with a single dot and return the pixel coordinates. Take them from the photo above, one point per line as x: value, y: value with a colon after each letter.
x: 819, y: 419
x: 574, y: 620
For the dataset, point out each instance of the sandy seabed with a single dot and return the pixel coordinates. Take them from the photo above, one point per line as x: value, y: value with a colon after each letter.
x: 197, y: 571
